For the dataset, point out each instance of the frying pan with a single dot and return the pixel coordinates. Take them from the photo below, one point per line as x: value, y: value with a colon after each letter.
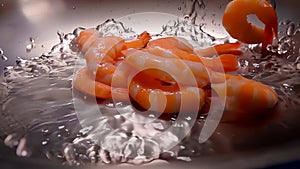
x: 21, y: 20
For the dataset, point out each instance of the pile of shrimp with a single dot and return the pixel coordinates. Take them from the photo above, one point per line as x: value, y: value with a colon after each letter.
x: 168, y: 75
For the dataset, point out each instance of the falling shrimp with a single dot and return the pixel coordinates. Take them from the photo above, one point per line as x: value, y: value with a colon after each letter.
x: 236, y: 23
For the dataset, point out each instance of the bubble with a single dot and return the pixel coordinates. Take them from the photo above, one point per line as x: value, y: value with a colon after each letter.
x: 3, y: 57
x: 290, y: 29
x: 29, y: 47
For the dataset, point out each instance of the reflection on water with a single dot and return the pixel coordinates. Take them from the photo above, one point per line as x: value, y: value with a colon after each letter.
x: 37, y: 105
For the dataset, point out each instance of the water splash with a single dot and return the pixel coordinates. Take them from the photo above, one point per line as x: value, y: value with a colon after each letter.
x: 31, y: 45
x: 3, y: 57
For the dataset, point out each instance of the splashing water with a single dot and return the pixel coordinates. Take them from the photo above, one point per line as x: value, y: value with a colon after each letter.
x: 38, y: 107
x: 3, y: 57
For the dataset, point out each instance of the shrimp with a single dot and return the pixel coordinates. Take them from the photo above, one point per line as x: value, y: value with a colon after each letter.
x: 244, y: 97
x: 154, y: 95
x: 153, y: 92
x: 85, y: 83
x: 235, y: 21
x: 102, y: 53
x: 241, y: 95
x: 167, y: 75
x: 186, y: 69
x: 174, y: 47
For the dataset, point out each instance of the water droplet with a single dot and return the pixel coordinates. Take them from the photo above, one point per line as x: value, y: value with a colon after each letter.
x: 3, y: 57
x: 187, y: 159
x: 284, y: 22
x: 29, y: 47
x: 31, y: 39
x: 290, y: 29
x: 61, y: 127
x: 22, y: 148
x: 11, y: 140
x: 284, y: 47
x: 298, y: 66
x: 74, y: 7
x: 44, y: 143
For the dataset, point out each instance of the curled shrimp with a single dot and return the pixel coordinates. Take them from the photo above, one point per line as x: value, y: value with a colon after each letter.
x: 173, y: 66
x: 244, y: 97
x: 85, y: 83
x: 236, y: 24
x: 102, y: 53
x: 156, y: 95
x: 152, y: 92
x: 171, y: 75
x: 175, y: 47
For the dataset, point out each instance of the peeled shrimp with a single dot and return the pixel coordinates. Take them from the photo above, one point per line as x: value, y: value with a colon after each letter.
x: 85, y: 83
x: 153, y: 92
x: 155, y: 95
x: 166, y: 76
x: 186, y: 70
x: 244, y: 97
x: 102, y: 53
x: 174, y: 47
x: 236, y: 24
x: 240, y: 95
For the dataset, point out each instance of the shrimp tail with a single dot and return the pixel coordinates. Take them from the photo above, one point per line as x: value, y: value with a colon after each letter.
x: 267, y: 38
x: 140, y: 42
x: 229, y: 48
x: 229, y: 62
x: 225, y: 62
x: 269, y: 32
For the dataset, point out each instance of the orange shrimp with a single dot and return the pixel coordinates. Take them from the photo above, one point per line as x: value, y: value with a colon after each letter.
x: 85, y: 83
x: 241, y: 95
x: 244, y: 97
x: 102, y: 53
x: 170, y: 78
x: 169, y: 89
x: 155, y: 95
x: 174, y: 47
x: 187, y: 70
x: 236, y: 24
